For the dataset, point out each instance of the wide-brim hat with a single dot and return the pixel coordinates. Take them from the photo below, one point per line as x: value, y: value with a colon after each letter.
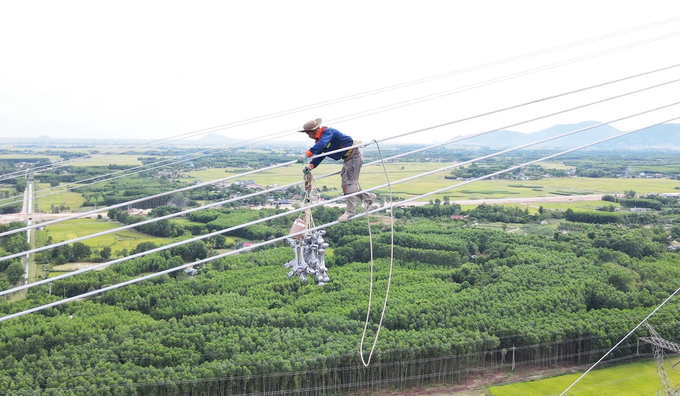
x: 310, y: 126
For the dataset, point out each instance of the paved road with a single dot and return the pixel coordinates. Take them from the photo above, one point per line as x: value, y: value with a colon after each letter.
x: 39, y: 217
x: 28, y: 210
x: 570, y: 198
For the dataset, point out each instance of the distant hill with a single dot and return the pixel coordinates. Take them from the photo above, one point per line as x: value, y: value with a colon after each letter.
x: 213, y: 138
x: 665, y: 136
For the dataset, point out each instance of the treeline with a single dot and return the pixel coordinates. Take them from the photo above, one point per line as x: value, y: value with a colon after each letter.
x: 128, y: 189
x: 220, y: 219
x: 126, y: 270
x: 162, y: 228
x: 9, y: 207
x: 459, y: 296
x: 655, y: 202
x: 12, y: 270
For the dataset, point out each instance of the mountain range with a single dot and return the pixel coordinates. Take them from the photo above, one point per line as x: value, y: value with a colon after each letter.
x: 666, y: 136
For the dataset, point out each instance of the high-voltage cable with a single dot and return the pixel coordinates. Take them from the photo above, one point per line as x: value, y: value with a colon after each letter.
x: 257, y: 245
x: 449, y: 92
x: 299, y: 209
x: 204, y: 184
x: 185, y: 212
x: 386, y: 89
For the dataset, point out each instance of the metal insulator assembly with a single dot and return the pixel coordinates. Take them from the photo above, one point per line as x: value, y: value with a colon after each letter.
x: 309, y: 257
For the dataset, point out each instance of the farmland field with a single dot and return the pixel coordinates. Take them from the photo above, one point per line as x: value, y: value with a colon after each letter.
x: 72, y: 267
x: 373, y: 175
x: 184, y: 221
x: 111, y: 159
x: 583, y: 205
x: 632, y: 379
x: 45, y: 199
x: 126, y: 239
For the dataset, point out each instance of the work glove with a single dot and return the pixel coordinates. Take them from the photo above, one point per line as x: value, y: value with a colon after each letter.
x: 307, y: 169
x: 302, y: 159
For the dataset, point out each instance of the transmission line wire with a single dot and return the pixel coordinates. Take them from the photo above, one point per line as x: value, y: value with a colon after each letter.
x: 266, y: 191
x: 165, y: 247
x: 127, y: 172
x: 494, y: 80
x: 78, y: 215
x: 484, y: 83
x: 385, y: 89
x: 623, y: 339
x: 257, y: 245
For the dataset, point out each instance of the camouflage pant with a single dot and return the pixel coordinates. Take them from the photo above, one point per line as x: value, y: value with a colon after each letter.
x: 350, y: 180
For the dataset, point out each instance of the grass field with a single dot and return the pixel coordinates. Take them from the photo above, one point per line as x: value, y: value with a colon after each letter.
x: 185, y: 221
x: 554, y: 165
x: 45, y: 199
x: 373, y: 175
x: 583, y: 205
x: 112, y: 159
x: 632, y: 379
x: 72, y: 267
x: 126, y: 239
x: 96, y: 160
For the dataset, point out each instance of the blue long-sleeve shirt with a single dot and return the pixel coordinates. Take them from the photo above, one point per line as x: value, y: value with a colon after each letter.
x: 330, y: 140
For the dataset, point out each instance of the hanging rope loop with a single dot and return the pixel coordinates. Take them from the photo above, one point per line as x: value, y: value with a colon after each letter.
x: 366, y: 362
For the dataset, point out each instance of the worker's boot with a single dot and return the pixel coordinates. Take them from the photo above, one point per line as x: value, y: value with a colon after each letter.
x: 369, y: 200
x: 345, y: 216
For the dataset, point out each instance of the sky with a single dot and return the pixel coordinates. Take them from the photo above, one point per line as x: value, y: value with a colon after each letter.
x: 158, y: 69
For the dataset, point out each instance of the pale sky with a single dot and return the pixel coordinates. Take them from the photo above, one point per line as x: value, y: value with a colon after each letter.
x: 156, y: 69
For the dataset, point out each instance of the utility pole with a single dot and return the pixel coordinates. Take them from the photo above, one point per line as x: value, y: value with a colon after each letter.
x: 513, y: 357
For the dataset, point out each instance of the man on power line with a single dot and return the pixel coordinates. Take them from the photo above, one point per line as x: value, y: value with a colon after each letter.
x: 330, y: 139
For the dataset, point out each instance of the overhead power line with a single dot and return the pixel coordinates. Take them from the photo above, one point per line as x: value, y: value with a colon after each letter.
x: 465, y: 88
x: 622, y: 340
x: 145, y: 168
x: 73, y: 273
x: 421, y: 99
x: 376, y: 91
x: 204, y: 184
x: 101, y: 233
x: 257, y: 245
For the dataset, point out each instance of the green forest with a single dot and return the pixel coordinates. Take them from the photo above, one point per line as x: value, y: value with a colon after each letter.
x: 462, y: 297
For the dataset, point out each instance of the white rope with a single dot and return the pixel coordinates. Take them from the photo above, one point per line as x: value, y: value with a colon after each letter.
x: 389, y: 278
x: 254, y: 246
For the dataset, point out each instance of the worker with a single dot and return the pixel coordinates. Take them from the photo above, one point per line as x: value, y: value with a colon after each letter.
x: 330, y: 139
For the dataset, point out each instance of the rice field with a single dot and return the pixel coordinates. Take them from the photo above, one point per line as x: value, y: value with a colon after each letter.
x: 112, y: 159
x: 46, y: 198
x: 125, y: 239
x: 184, y: 221
x: 583, y: 205
x: 631, y: 379
x: 373, y: 175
